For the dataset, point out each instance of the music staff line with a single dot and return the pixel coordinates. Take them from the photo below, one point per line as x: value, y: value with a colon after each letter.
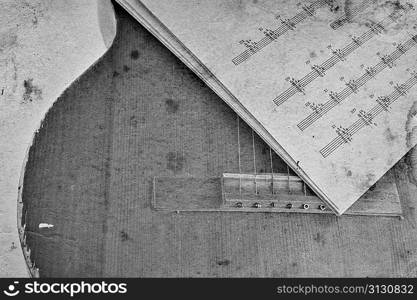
x: 339, y: 55
x: 353, y: 86
x: 273, y: 35
x: 345, y: 135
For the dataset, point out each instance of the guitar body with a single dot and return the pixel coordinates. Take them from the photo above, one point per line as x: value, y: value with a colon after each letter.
x: 139, y: 113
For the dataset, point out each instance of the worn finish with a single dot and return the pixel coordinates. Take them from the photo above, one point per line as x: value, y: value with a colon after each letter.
x: 44, y: 46
x: 135, y: 116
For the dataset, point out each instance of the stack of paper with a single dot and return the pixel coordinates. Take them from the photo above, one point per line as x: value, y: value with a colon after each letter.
x: 330, y: 88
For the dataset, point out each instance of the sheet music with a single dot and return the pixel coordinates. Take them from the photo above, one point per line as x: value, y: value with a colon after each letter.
x: 330, y: 87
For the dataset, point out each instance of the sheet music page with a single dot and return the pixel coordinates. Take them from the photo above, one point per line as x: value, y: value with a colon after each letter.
x: 333, y: 82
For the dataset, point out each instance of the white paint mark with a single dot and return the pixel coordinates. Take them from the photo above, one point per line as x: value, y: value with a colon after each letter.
x: 45, y: 225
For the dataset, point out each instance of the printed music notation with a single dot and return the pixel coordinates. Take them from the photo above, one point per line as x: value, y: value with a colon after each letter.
x: 287, y: 25
x: 365, y: 119
x: 352, y: 87
x: 339, y: 55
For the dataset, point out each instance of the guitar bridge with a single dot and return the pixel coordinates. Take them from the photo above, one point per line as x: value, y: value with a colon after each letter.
x: 263, y: 193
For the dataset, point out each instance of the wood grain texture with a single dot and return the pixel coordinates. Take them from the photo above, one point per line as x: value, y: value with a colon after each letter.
x: 139, y: 113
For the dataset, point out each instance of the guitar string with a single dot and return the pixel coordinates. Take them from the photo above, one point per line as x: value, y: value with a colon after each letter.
x: 238, y: 154
x: 288, y: 179
x: 272, y: 170
x: 254, y: 160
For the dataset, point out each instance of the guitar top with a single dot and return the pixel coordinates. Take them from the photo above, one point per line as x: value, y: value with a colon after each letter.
x: 140, y: 115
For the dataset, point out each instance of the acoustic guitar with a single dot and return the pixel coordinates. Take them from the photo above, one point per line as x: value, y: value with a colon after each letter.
x: 140, y: 170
